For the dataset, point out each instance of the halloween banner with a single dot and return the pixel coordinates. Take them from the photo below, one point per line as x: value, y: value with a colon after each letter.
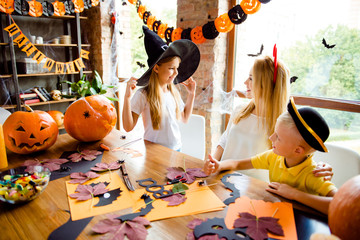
x: 30, y: 49
x: 223, y: 23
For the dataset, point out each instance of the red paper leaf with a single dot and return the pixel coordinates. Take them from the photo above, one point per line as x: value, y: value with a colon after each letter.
x: 51, y: 164
x: 258, y: 228
x: 175, y: 199
x: 85, y: 192
x: 134, y: 230
x: 189, y: 175
x: 86, y: 154
x: 79, y: 177
x: 100, y: 167
x: 192, y: 224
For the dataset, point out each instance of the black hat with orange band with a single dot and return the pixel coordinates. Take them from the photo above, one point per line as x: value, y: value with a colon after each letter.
x: 311, y: 125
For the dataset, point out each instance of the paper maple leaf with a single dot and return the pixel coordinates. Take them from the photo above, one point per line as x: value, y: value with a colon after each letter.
x: 79, y: 177
x: 100, y: 167
x: 134, y: 229
x: 51, y: 164
x: 175, y: 199
x: 86, y: 154
x: 195, y: 222
x: 85, y: 192
x: 258, y: 228
x: 189, y: 175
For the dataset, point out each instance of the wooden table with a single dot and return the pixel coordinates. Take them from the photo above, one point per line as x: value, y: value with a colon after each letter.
x: 38, y: 218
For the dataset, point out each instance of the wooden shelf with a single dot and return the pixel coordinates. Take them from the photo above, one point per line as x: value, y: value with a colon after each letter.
x: 60, y: 45
x: 4, y: 44
x: 41, y: 103
x: 54, y: 17
x: 42, y: 74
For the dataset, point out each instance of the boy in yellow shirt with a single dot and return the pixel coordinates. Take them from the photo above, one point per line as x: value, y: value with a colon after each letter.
x: 298, y: 134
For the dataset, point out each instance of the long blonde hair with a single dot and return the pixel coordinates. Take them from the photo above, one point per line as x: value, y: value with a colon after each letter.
x: 153, y: 96
x: 270, y: 100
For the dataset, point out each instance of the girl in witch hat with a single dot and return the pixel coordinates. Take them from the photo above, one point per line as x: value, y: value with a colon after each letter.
x: 158, y: 101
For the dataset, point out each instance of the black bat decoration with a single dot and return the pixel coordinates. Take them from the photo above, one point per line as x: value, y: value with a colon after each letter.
x: 327, y: 45
x: 141, y: 65
x: 293, y: 79
x: 143, y: 211
x: 259, y: 53
x: 235, y: 193
x: 109, y: 197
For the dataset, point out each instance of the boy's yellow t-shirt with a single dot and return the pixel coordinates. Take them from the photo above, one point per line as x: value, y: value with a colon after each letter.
x: 299, y: 176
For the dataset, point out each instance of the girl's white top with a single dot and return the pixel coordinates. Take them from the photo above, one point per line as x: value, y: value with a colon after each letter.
x: 169, y: 133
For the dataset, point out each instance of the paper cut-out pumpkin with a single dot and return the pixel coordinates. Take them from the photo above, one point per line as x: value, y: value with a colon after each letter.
x: 141, y: 11
x: 146, y: 15
x: 7, y: 6
x: 197, y: 35
x: 28, y: 132
x: 156, y: 26
x: 59, y: 8
x: 150, y: 22
x: 90, y: 118
x: 94, y: 3
x: 209, y: 30
x: 161, y: 30
x: 132, y: 1
x: 250, y: 6
x: 35, y: 8
x: 79, y: 5
x: 237, y: 15
x: 223, y: 23
x: 176, y: 34
x: 168, y: 33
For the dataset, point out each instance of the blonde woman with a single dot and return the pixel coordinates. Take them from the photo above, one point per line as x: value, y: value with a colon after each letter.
x: 159, y: 102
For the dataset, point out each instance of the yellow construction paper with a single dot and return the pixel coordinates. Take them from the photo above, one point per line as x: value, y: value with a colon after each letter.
x: 84, y: 209
x: 283, y: 211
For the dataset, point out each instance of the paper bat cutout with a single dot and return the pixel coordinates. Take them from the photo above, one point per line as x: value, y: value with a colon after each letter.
x: 143, y: 211
x: 293, y: 79
x: 235, y: 193
x: 140, y: 64
x: 259, y: 53
x: 217, y: 226
x: 109, y: 197
x: 70, y: 230
x: 327, y: 45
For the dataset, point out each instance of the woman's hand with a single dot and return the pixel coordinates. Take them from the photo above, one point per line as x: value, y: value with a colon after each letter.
x: 190, y: 85
x: 130, y: 87
x: 282, y: 189
x: 211, y: 165
x: 323, y: 170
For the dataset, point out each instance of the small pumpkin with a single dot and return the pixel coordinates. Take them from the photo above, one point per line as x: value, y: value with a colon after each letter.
x: 90, y: 118
x: 223, y: 23
x: 28, y: 132
x: 35, y: 8
x: 57, y: 116
x: 197, y: 35
x: 344, y: 210
x: 250, y: 6
x: 7, y: 6
x: 176, y: 34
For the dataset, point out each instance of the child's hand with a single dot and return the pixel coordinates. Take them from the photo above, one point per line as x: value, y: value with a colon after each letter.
x: 211, y: 165
x: 130, y: 87
x: 323, y: 170
x: 190, y: 85
x: 282, y: 189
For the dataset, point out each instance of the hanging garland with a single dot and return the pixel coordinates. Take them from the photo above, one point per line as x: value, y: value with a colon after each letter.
x: 26, y: 46
x: 223, y: 23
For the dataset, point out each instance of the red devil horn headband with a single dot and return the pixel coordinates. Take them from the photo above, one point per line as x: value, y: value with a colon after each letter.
x: 275, y: 63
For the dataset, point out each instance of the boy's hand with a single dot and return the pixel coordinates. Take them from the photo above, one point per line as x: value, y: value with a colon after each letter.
x: 211, y: 165
x: 130, y: 87
x: 282, y: 189
x: 190, y: 85
x: 323, y: 170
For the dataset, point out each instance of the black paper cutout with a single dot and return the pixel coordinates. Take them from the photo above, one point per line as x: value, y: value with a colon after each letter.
x: 48, y: 9
x: 326, y: 44
x: 156, y: 26
x: 168, y: 34
x: 82, y: 166
x: 259, y: 53
x: 94, y: 184
x: 70, y: 230
x: 103, y: 200
x: 21, y: 7
x: 237, y: 15
x: 186, y: 34
x: 143, y: 211
x: 235, y: 193
x: 293, y: 79
x: 208, y: 228
x: 146, y: 15
x: 209, y: 30
x: 159, y: 193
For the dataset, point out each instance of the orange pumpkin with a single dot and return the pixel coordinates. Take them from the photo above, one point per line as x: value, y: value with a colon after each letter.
x: 176, y: 34
x: 132, y: 1
x: 90, y: 119
x: 150, y: 22
x: 79, y: 5
x: 197, y: 35
x: 57, y: 116
x: 59, y: 8
x: 344, y: 210
x: 161, y: 30
x: 141, y: 11
x: 94, y: 3
x: 223, y: 23
x: 250, y: 6
x: 28, y: 132
x: 7, y: 6
x: 35, y: 8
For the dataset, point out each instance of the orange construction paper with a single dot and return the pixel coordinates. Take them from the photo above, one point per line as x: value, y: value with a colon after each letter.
x: 284, y: 212
x: 84, y: 209
x: 199, y: 200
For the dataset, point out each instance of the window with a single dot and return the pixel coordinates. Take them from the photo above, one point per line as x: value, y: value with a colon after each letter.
x: 304, y: 32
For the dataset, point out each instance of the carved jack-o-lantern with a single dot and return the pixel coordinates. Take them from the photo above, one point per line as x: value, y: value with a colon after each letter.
x: 176, y: 34
x: 79, y: 5
x: 250, y: 6
x: 35, y: 8
x: 59, y: 8
x: 28, y: 132
x: 197, y: 35
x: 150, y: 22
x: 223, y: 23
x: 7, y: 6
x: 141, y: 11
x: 94, y: 112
